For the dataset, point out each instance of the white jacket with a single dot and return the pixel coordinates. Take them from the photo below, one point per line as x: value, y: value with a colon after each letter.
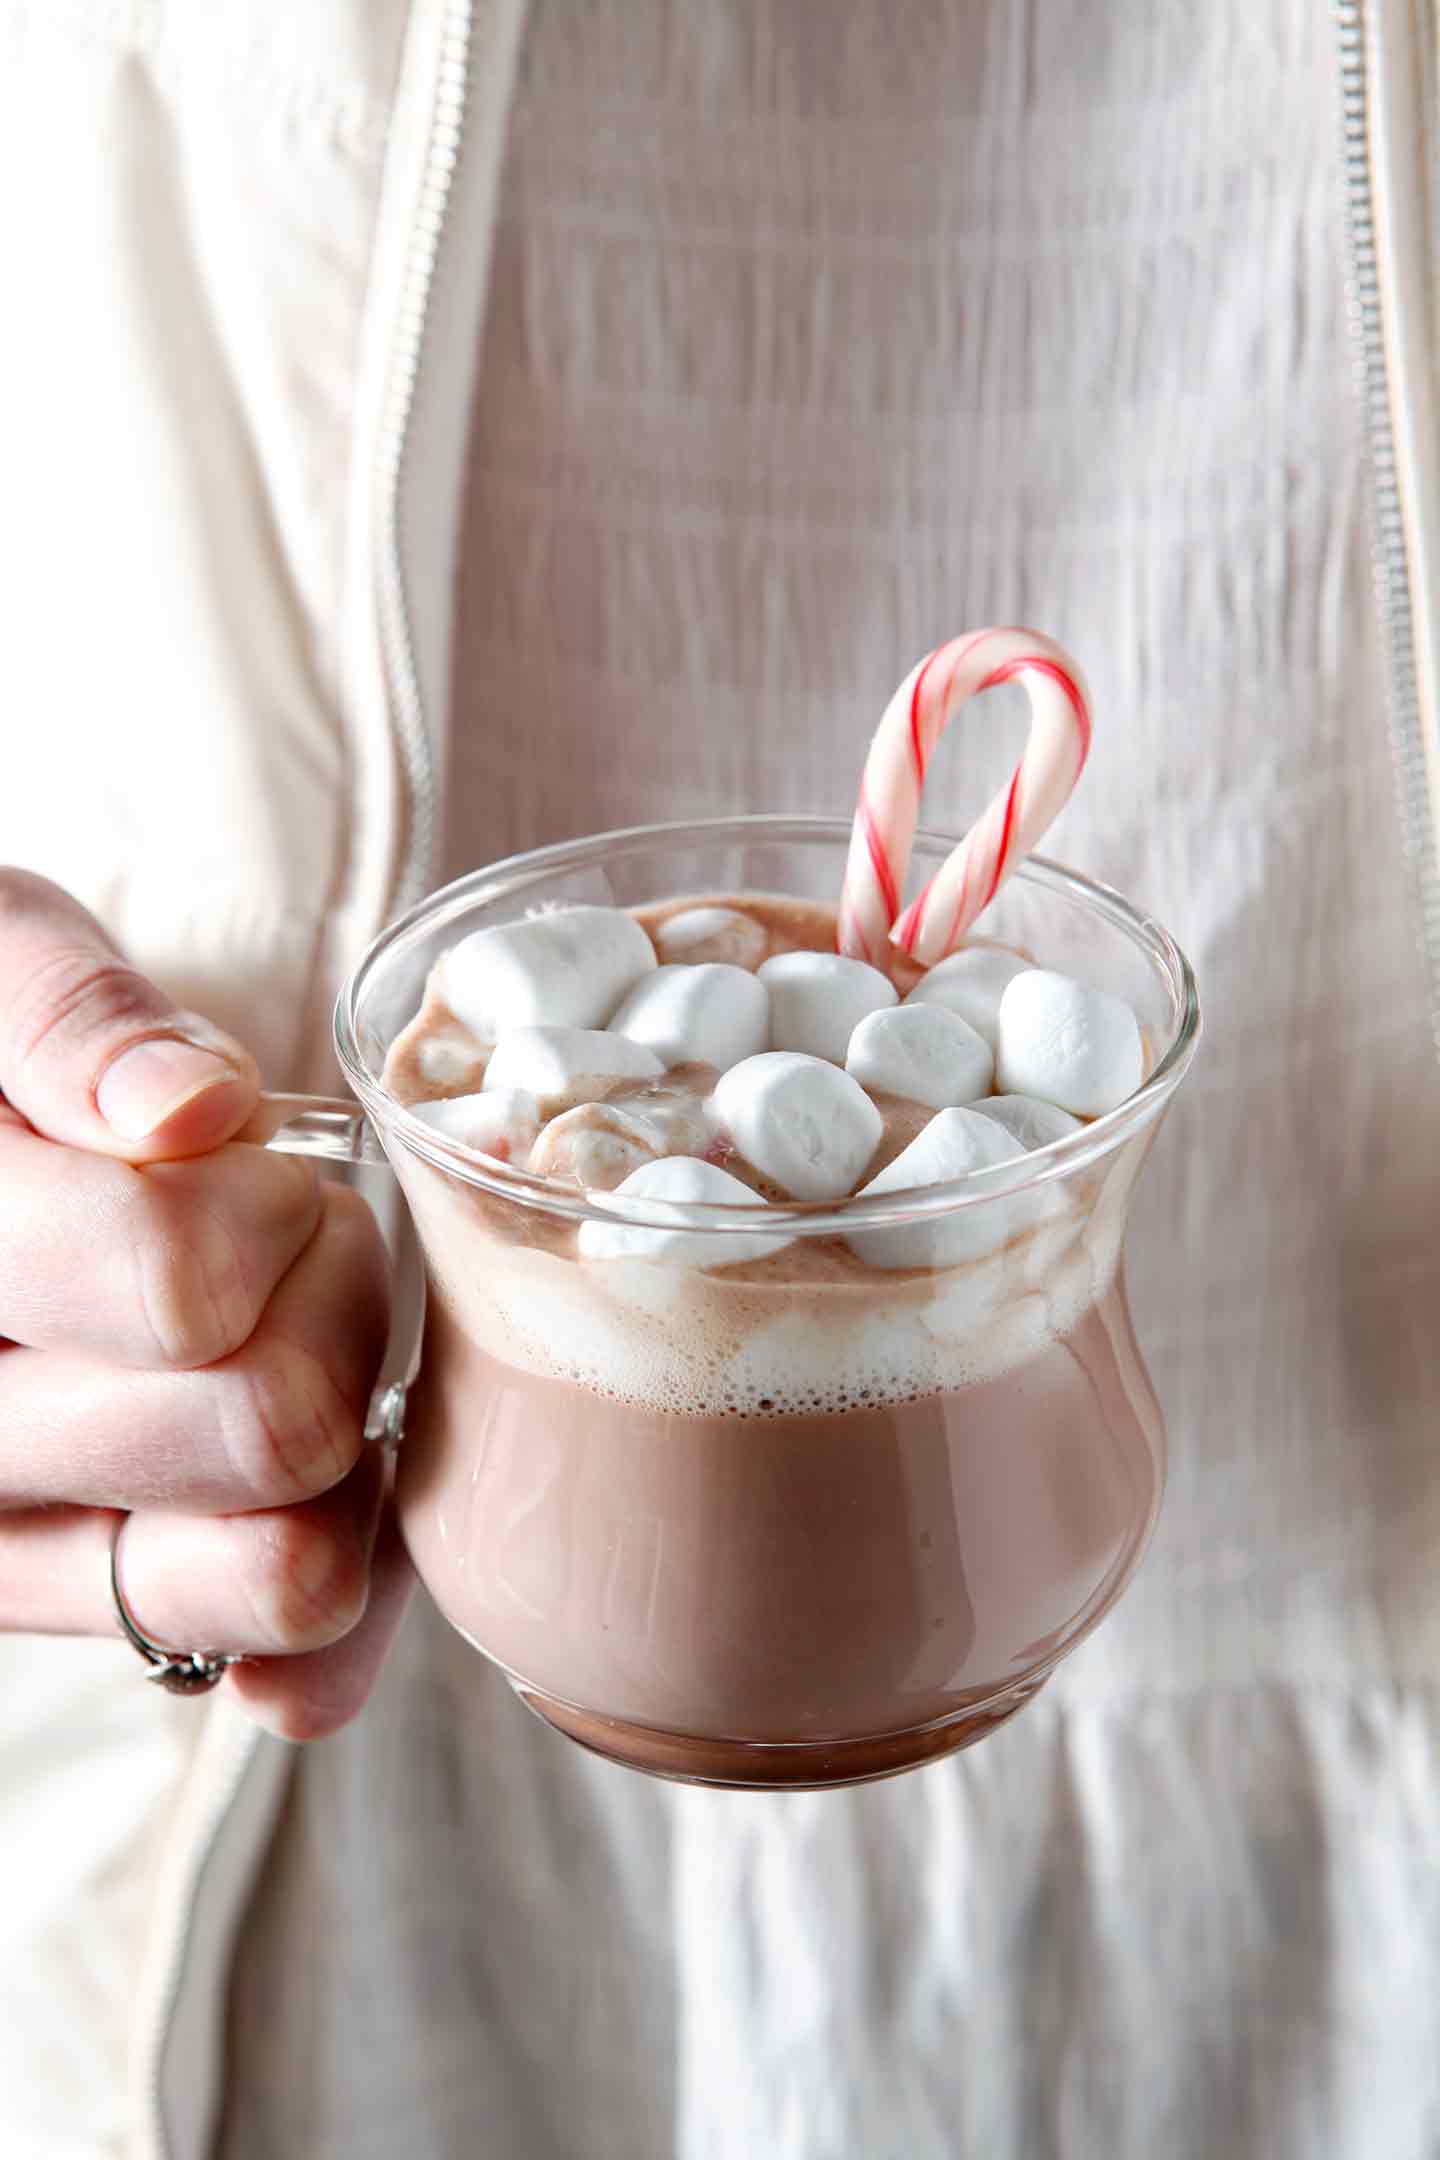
x: 248, y: 264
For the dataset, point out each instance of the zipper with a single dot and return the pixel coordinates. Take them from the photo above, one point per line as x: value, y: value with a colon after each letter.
x: 1390, y: 543
x: 415, y: 852
x: 218, y: 1780
x: 216, y: 1776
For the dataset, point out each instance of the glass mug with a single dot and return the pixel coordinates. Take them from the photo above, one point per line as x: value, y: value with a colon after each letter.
x: 786, y: 1525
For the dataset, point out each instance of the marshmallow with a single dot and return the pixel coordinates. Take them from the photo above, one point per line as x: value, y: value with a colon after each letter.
x: 971, y: 982
x: 802, y: 1123
x: 596, y: 1144
x: 569, y: 967
x: 953, y: 1144
x: 712, y: 933
x: 673, y: 1116
x: 684, y: 1180
x: 501, y: 1123
x: 704, y: 1015
x: 1068, y: 1044
x: 818, y: 999
x: 1033, y: 1123
x: 923, y: 1052
x: 564, y: 1065
x: 448, y: 1055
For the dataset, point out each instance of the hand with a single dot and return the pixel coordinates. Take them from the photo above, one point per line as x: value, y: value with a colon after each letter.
x: 189, y: 1330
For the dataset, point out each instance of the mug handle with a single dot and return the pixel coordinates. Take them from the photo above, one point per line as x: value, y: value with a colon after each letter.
x: 331, y: 1129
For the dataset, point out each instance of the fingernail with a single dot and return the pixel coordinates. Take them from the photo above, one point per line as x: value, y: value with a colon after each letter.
x: 148, y: 1083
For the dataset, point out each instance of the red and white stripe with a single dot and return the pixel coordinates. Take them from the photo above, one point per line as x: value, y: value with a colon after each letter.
x: 888, y: 808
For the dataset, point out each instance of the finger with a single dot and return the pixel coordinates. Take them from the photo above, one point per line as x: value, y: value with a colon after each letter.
x: 273, y: 1583
x: 94, y: 1055
x: 279, y: 1420
x: 170, y: 1264
x: 54, y: 1571
x: 305, y: 1698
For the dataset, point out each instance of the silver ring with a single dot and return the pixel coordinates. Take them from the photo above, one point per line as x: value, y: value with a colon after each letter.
x: 179, y: 1672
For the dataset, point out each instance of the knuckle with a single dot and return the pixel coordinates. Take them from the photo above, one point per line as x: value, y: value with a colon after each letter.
x: 288, y: 1430
x: 352, y: 1275
x: 287, y: 1192
x: 312, y: 1582
x: 72, y: 993
x: 360, y: 1255
x: 370, y: 1289
x: 194, y: 1289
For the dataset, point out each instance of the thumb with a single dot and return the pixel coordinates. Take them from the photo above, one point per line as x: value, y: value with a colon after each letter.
x: 92, y: 1054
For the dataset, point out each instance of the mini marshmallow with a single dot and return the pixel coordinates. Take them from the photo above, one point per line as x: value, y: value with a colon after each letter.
x: 708, y: 1014
x: 953, y: 1144
x: 801, y: 1122
x: 448, y: 1055
x: 672, y: 1116
x: 818, y: 999
x: 502, y: 1123
x: 569, y: 967
x: 971, y: 982
x: 1068, y: 1044
x: 1033, y: 1123
x: 923, y: 1052
x: 596, y: 1144
x: 712, y: 933
x: 564, y: 1065
x: 684, y: 1180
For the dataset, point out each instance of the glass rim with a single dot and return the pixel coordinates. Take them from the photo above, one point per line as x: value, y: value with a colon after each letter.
x: 789, y: 1219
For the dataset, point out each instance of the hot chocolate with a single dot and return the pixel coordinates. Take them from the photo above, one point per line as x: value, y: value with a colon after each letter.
x: 808, y: 1516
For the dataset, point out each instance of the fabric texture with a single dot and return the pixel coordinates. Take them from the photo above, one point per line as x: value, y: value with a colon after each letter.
x: 809, y: 343
x: 190, y: 200
x: 192, y: 299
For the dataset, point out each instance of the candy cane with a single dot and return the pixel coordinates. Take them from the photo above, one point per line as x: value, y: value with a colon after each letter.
x: 889, y: 802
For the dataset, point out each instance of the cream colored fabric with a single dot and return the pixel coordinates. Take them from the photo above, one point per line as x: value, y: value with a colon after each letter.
x: 815, y: 335
x: 189, y: 200
x: 185, y: 308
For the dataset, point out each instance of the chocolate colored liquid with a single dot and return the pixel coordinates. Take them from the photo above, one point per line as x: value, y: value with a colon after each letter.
x: 780, y: 1596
